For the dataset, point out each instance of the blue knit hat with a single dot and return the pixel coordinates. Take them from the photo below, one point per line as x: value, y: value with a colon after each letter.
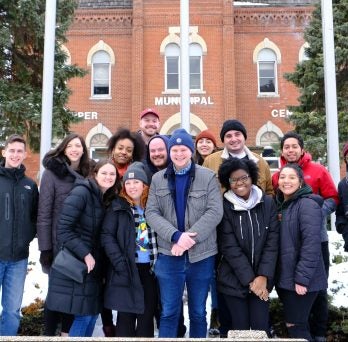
x: 181, y: 137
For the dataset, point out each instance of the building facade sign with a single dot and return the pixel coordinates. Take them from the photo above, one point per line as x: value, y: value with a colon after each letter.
x: 280, y: 113
x: 87, y: 115
x: 175, y: 100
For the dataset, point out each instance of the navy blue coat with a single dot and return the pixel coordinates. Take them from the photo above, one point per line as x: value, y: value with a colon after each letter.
x: 300, y: 260
x: 123, y: 290
x: 79, y: 230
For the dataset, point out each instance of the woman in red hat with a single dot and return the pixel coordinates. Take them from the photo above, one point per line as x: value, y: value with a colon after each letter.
x: 205, y: 145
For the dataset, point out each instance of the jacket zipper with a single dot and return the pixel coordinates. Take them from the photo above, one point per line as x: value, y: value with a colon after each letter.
x: 252, y: 239
x: 240, y: 225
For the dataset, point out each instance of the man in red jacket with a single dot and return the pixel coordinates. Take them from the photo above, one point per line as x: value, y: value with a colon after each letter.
x: 318, y: 177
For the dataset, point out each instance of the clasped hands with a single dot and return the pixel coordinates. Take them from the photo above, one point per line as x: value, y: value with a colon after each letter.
x: 259, y: 287
x: 184, y: 243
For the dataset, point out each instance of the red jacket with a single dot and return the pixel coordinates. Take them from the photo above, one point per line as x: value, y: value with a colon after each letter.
x: 315, y: 175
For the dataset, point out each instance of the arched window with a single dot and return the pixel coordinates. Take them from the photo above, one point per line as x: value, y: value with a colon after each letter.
x: 172, y: 53
x: 195, y: 67
x: 267, y: 71
x: 101, y: 69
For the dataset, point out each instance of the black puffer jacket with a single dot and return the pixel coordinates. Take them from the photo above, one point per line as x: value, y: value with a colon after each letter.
x: 248, y: 242
x: 56, y: 183
x: 18, y: 202
x: 79, y: 230
x: 300, y: 260
x: 123, y: 291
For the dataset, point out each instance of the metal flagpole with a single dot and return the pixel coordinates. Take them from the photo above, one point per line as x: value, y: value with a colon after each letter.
x: 47, y: 84
x: 184, y: 65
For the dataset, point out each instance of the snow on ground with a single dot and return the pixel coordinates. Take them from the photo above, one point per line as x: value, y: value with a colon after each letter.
x: 36, y: 281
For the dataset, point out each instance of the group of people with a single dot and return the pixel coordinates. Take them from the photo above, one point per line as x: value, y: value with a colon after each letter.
x: 162, y: 214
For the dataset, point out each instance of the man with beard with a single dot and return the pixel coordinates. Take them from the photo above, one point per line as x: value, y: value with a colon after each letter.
x: 157, y: 154
x: 149, y: 124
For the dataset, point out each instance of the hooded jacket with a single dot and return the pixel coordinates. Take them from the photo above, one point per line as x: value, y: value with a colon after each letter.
x: 248, y: 243
x: 56, y: 183
x: 150, y: 168
x: 78, y: 230
x: 18, y: 202
x: 300, y: 260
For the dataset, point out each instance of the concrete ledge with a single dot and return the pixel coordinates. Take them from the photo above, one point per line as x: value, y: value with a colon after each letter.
x: 136, y: 339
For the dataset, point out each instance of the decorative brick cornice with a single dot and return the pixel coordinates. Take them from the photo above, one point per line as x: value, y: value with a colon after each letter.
x: 99, y: 19
x: 296, y: 16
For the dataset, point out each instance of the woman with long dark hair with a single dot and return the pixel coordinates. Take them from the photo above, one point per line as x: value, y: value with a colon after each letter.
x: 63, y: 165
x: 301, y: 272
x: 78, y: 230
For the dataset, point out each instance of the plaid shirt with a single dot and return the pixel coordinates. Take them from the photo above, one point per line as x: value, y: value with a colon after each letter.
x: 152, y: 238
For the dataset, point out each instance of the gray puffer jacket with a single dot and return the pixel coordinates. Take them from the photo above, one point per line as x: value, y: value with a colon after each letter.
x: 203, y: 211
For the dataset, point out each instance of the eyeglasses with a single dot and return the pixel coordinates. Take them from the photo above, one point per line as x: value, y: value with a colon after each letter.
x: 242, y: 180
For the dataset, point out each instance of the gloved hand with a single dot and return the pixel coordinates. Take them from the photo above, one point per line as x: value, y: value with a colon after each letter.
x: 46, y: 259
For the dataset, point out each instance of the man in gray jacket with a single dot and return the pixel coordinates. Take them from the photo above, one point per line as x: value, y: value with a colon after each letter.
x: 184, y: 207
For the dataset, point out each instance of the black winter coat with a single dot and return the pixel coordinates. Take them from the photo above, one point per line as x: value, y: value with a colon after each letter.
x: 79, y: 230
x: 248, y: 242
x: 18, y: 212
x: 123, y: 291
x: 300, y: 260
x: 56, y: 183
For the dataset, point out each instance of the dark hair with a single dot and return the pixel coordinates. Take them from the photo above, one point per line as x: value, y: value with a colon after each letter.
x: 297, y: 169
x: 84, y: 167
x: 110, y: 193
x: 15, y: 138
x: 137, y: 140
x: 199, y: 159
x: 234, y: 164
x: 291, y: 134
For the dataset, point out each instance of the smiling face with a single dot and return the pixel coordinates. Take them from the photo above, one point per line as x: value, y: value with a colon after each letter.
x: 106, y: 176
x: 158, y: 153
x: 240, y: 183
x: 292, y: 151
x: 123, y: 151
x: 134, y: 189
x: 180, y: 156
x: 149, y: 124
x: 289, y: 182
x: 74, y: 151
x: 205, y: 147
x: 14, y: 154
x: 234, y: 141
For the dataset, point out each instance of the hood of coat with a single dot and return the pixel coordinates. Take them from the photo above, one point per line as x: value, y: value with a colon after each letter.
x: 59, y: 166
x: 305, y: 191
x: 13, y: 173
x: 149, y: 163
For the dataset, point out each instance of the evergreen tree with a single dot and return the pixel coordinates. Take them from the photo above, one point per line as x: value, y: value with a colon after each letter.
x: 22, y: 28
x: 309, y: 116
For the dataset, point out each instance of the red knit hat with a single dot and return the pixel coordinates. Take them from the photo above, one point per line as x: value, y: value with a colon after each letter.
x: 345, y: 149
x: 206, y: 134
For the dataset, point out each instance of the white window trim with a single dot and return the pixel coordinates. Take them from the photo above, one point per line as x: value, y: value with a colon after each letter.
x: 267, y: 44
x: 174, y: 37
x: 101, y: 45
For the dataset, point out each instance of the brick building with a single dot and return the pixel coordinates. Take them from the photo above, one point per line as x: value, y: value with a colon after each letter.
x: 239, y: 52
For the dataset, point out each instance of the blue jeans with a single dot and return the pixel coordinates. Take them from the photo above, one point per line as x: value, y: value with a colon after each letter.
x: 12, y: 278
x: 83, y: 325
x: 172, y: 273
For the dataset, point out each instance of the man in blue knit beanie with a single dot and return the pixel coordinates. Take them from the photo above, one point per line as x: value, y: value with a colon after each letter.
x: 184, y: 207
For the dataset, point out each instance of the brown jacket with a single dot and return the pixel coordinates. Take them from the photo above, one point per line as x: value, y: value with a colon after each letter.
x: 214, y: 161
